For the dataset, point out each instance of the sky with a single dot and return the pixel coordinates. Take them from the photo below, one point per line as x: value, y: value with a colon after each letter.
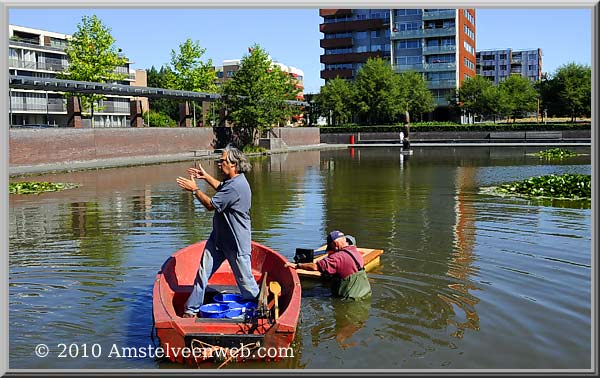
x: 291, y: 36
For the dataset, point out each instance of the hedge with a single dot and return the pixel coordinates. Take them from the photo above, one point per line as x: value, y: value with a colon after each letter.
x: 458, y: 127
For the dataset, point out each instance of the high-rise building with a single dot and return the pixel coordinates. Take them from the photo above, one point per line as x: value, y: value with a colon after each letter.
x: 438, y: 43
x: 350, y: 37
x: 498, y: 64
x: 41, y: 53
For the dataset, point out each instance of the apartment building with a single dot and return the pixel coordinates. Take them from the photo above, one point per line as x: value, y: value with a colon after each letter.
x: 350, y: 37
x: 438, y: 43
x: 41, y: 53
x: 497, y: 64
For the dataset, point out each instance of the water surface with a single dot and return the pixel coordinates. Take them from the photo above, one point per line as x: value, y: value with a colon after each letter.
x: 467, y: 280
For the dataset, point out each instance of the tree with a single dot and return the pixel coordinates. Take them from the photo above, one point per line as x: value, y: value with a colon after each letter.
x: 414, y: 96
x: 377, y: 92
x: 256, y: 96
x: 188, y: 72
x: 479, y: 96
x: 335, y: 101
x: 92, y: 57
x: 164, y: 106
x: 573, y: 85
x: 520, y: 95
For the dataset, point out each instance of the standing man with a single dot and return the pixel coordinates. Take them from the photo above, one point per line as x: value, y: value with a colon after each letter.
x: 231, y: 235
x: 346, y: 266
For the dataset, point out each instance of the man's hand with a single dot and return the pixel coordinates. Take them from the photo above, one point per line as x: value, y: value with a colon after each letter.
x: 187, y: 184
x: 198, y: 172
x: 291, y: 265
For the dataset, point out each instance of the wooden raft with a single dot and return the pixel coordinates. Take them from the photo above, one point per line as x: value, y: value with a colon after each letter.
x: 371, y: 257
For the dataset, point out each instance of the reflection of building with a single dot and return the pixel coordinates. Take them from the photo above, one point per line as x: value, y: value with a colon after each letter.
x: 40, y: 53
x: 497, y: 65
x: 438, y: 43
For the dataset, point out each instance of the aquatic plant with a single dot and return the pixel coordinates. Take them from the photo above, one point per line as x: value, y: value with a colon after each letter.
x: 555, y: 153
x: 571, y: 186
x: 28, y: 187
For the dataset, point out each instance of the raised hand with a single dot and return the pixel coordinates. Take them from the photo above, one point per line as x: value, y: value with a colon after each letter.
x: 198, y: 172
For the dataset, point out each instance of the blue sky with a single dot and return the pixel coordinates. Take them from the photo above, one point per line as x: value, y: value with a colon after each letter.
x: 292, y: 36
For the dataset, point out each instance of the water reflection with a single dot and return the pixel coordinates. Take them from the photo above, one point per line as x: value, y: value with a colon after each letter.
x: 466, y: 280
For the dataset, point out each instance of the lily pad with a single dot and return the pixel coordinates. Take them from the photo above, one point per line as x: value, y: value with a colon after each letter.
x: 28, y: 187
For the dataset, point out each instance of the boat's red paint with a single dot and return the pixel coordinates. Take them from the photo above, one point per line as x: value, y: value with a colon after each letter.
x: 173, y: 285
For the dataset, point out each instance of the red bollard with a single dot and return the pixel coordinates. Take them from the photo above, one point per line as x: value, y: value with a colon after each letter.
x: 352, y: 139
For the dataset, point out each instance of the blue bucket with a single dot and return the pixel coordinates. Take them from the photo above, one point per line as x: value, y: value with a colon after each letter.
x: 235, y: 314
x: 213, y: 310
x: 227, y: 298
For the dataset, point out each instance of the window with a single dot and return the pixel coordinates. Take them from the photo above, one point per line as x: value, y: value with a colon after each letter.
x: 408, y: 44
x: 404, y: 26
x: 375, y: 33
x: 407, y: 12
x: 469, y: 32
x: 376, y: 47
x: 361, y: 49
x: 407, y: 60
x: 469, y: 64
x: 361, y: 35
x: 469, y: 48
x: 469, y: 17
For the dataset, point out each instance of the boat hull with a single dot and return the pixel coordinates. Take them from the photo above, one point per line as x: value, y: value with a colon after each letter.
x: 192, y: 340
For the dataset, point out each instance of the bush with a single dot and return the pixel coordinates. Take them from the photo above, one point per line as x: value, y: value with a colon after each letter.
x: 250, y: 149
x: 27, y: 187
x: 450, y: 126
x: 158, y: 119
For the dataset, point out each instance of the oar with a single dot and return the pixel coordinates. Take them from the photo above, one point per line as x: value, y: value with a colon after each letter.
x: 276, y: 290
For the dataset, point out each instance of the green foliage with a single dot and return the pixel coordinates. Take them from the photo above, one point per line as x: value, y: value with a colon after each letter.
x: 570, y: 186
x: 250, y: 149
x: 256, y: 96
x: 158, y: 79
x: 188, y: 72
x: 92, y: 57
x: 518, y: 96
x: 378, y: 92
x: 158, y: 119
x: 335, y: 101
x: 479, y: 96
x: 569, y: 92
x: 555, y: 153
x: 451, y: 126
x: 37, y: 187
x: 414, y: 96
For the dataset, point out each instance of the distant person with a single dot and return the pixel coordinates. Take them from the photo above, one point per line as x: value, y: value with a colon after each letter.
x: 344, y: 264
x: 231, y: 235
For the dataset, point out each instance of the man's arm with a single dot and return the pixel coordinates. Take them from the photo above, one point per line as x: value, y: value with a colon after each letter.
x: 305, y: 266
x: 190, y: 184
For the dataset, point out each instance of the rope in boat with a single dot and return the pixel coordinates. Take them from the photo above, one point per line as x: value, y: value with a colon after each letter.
x: 210, y: 350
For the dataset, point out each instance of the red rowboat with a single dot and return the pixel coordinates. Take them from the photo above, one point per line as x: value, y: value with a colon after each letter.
x: 259, y: 336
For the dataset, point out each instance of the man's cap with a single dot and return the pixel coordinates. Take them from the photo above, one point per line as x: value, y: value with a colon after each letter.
x: 333, y: 235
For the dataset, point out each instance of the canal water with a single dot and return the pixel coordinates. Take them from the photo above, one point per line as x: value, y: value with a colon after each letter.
x: 467, y: 280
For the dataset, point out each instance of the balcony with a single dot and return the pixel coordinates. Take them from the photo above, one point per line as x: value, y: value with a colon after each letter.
x: 336, y: 42
x: 31, y: 106
x: 34, y: 44
x: 423, y: 33
x: 439, y: 15
x: 55, y: 65
x: 435, y: 67
x: 349, y: 58
x: 331, y: 74
x: 408, y: 67
x: 441, y: 84
x: 335, y: 12
x: 439, y: 49
x: 349, y: 26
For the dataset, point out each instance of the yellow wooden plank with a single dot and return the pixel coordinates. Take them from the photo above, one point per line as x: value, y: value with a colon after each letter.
x: 370, y: 256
